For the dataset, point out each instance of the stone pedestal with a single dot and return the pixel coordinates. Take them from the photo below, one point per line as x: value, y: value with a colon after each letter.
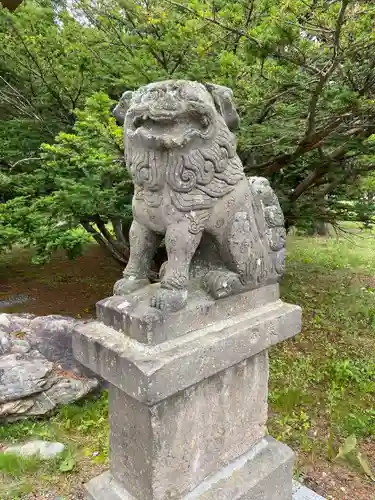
x: 188, y: 396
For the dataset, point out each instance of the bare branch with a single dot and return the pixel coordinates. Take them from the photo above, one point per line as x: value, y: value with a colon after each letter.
x: 119, y: 232
x: 298, y: 62
x: 263, y: 114
x: 277, y: 163
x: 24, y: 160
x: 312, y: 109
x: 338, y: 155
x: 99, y: 238
x: 22, y: 104
x: 308, y: 181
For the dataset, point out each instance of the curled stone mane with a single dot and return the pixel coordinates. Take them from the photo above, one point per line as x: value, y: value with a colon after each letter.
x: 196, y: 178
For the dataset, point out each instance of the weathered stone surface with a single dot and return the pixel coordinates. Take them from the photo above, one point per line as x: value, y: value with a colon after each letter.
x: 21, y: 376
x: 20, y: 346
x: 194, y: 433
x: 43, y: 449
x: 5, y: 343
x: 64, y: 390
x: 52, y: 336
x: 152, y: 373
x: 133, y: 316
x: 105, y: 486
x: 31, y: 384
x: 4, y: 322
x: 190, y: 183
x: 185, y: 412
x: 18, y: 322
x: 262, y: 473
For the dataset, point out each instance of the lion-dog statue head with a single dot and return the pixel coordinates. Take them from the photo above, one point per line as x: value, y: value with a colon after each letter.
x: 179, y: 133
x: 175, y: 113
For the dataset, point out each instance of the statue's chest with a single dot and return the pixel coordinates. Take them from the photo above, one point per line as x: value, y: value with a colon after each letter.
x: 155, y: 210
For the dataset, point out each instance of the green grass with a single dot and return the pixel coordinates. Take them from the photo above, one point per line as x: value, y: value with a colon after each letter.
x: 16, y: 467
x: 82, y: 427
x: 323, y: 381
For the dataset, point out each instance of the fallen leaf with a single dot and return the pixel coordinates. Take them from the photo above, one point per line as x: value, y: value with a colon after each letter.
x: 349, y: 445
x: 67, y: 464
x: 365, y: 466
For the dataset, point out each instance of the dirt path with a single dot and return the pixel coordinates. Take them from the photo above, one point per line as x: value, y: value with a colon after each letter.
x: 61, y: 286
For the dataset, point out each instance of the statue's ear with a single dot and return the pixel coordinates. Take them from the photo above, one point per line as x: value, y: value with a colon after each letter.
x: 119, y: 111
x: 224, y: 103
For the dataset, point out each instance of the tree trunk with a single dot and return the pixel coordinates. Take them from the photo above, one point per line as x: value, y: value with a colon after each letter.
x: 322, y: 228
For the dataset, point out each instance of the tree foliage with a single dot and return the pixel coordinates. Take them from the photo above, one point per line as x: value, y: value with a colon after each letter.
x: 303, y: 73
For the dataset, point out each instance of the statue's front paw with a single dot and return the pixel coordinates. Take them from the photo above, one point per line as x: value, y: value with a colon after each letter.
x: 222, y: 284
x: 127, y: 285
x: 169, y: 300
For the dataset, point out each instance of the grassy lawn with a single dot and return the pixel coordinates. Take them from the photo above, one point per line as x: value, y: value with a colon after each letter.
x: 323, y: 381
x: 322, y: 387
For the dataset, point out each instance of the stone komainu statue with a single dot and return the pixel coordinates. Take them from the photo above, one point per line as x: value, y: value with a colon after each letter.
x: 190, y: 187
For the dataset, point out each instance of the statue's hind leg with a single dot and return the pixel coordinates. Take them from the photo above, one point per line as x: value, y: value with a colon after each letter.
x: 245, y: 255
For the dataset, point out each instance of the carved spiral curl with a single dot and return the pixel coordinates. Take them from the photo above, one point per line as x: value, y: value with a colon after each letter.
x: 146, y: 171
x: 181, y: 176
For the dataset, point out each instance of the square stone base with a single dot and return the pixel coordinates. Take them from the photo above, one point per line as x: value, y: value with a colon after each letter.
x: 262, y: 473
x: 164, y: 450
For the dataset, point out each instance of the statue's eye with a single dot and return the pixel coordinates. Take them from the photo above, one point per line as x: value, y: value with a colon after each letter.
x: 188, y: 94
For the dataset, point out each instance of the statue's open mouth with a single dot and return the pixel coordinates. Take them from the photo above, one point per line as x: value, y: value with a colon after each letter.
x: 170, y: 128
x: 161, y: 123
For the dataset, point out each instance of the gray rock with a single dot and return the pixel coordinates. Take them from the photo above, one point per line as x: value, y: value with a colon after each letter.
x: 30, y: 385
x: 52, y: 337
x: 23, y: 375
x: 5, y: 323
x: 20, y: 346
x: 5, y: 344
x: 37, y: 369
x: 16, y: 322
x: 64, y: 390
x: 43, y: 449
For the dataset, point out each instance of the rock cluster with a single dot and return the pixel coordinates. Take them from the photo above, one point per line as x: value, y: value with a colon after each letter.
x: 37, y: 368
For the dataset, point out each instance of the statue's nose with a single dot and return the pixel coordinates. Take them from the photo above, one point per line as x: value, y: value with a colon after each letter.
x: 168, y: 102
